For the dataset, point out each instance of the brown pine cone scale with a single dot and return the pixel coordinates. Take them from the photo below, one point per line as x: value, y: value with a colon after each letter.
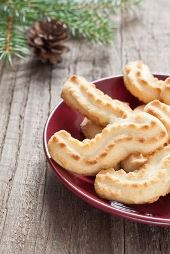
x: 47, y: 38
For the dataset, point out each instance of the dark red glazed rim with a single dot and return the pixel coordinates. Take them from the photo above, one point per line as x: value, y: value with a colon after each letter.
x: 99, y: 204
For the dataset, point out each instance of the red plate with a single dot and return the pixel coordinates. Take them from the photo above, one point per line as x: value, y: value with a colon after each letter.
x: 63, y: 117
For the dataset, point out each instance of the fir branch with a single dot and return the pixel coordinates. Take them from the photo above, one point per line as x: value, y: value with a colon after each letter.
x: 86, y: 24
x: 90, y: 19
x: 10, y: 22
x: 12, y: 39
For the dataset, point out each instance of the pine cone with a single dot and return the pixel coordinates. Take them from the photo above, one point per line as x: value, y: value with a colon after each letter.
x: 47, y: 37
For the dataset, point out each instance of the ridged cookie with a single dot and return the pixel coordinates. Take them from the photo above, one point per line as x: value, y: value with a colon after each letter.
x: 141, y: 83
x: 139, y: 108
x: 140, y: 132
x: 133, y: 162
x: 139, y: 187
x: 161, y: 111
x: 165, y: 93
x: 90, y: 129
x: 91, y: 102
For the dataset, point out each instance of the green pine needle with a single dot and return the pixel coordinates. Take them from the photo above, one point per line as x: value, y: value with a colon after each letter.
x: 90, y: 19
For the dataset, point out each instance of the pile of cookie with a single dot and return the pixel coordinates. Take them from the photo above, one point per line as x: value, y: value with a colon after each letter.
x: 126, y: 150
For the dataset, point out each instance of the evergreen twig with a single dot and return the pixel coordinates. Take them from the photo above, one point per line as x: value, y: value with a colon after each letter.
x: 89, y: 19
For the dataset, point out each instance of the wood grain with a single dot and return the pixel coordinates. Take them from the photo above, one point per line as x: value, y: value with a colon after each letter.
x: 37, y: 214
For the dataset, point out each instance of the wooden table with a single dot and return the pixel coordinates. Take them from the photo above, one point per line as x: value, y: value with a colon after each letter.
x: 37, y: 213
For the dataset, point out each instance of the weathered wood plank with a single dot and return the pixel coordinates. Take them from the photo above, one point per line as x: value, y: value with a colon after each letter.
x: 146, y: 239
x: 23, y: 161
x: 6, y: 95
